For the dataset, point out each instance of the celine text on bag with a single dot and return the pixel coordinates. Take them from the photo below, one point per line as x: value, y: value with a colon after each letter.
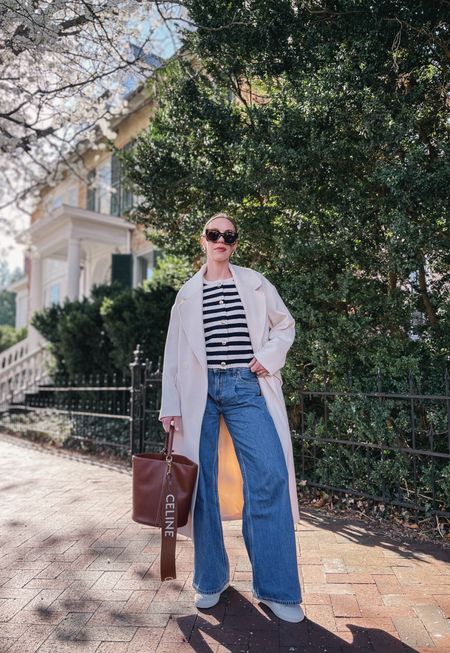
x: 163, y: 485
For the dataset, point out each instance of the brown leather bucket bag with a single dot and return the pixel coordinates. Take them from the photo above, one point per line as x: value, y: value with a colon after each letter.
x: 163, y: 485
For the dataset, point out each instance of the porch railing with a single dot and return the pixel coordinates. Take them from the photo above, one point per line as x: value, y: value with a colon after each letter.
x: 21, y: 370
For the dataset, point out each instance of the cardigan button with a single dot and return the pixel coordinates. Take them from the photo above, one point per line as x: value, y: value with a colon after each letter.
x: 223, y: 363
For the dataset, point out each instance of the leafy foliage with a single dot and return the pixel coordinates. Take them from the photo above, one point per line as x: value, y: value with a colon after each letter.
x: 98, y: 335
x: 370, y: 445
x: 7, y: 298
x: 323, y: 128
x: 9, y: 336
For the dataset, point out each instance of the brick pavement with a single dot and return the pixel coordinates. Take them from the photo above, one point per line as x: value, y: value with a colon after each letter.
x: 77, y: 574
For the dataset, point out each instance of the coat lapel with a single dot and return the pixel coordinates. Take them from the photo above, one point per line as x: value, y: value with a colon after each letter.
x: 191, y: 308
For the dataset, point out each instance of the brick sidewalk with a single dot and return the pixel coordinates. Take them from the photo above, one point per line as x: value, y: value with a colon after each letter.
x: 77, y: 574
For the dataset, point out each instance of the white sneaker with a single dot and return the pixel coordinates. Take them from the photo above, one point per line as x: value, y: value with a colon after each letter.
x: 289, y: 612
x: 208, y: 600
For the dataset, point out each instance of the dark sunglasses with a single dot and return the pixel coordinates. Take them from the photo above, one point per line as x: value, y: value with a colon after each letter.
x: 213, y: 236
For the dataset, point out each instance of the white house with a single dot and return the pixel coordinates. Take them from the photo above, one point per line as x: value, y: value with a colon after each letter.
x: 77, y: 238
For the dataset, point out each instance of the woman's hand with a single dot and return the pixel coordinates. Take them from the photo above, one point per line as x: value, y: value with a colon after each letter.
x: 166, y: 421
x: 256, y: 366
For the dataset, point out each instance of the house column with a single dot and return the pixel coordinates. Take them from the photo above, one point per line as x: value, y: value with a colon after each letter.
x: 36, y: 300
x: 73, y: 268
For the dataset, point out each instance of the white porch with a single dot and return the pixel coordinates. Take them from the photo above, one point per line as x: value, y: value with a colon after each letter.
x: 72, y: 248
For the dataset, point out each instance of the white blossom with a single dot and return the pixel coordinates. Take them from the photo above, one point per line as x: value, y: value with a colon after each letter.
x: 65, y: 67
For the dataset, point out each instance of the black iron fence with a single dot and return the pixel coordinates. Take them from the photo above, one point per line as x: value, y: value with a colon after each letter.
x: 103, y: 414
x: 89, y: 412
x: 146, y: 431
x: 387, y: 446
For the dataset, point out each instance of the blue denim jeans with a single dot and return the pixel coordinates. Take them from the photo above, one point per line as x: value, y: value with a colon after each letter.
x: 267, y: 524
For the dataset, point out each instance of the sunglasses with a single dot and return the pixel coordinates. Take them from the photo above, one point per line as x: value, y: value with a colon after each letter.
x: 213, y: 236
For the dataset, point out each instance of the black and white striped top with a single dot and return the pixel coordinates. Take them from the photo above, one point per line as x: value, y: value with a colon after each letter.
x: 227, y: 337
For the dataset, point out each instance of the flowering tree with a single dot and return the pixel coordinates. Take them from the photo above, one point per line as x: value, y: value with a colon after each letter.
x: 65, y: 67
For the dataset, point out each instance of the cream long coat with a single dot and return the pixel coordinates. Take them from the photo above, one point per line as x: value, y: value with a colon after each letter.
x: 185, y: 379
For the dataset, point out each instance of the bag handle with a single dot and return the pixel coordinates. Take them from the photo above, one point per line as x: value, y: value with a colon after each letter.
x: 169, y: 440
x: 168, y: 511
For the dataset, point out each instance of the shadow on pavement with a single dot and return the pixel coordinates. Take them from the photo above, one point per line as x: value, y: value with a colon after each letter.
x: 363, y: 533
x: 237, y: 625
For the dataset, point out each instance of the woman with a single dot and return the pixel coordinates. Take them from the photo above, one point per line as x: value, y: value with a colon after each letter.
x: 227, y: 341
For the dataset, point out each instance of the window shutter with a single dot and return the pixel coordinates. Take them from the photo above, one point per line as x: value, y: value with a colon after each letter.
x: 127, y: 200
x: 122, y: 269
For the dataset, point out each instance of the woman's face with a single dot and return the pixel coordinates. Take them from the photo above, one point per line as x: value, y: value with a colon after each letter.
x: 219, y: 251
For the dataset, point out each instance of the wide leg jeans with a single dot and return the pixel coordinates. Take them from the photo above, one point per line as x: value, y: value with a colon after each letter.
x: 267, y: 523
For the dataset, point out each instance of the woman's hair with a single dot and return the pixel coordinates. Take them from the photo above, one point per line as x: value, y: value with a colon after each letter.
x: 220, y: 215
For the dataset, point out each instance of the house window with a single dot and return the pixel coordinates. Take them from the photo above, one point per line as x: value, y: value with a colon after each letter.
x: 146, y: 264
x: 57, y: 201
x: 104, y: 187
x: 99, y: 188
x: 122, y: 199
x: 91, y: 191
x: 72, y: 196
x: 147, y: 268
x: 109, y: 193
x: 52, y: 294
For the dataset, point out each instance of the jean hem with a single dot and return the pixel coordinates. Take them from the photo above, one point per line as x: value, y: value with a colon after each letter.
x: 269, y: 598
x: 221, y: 589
